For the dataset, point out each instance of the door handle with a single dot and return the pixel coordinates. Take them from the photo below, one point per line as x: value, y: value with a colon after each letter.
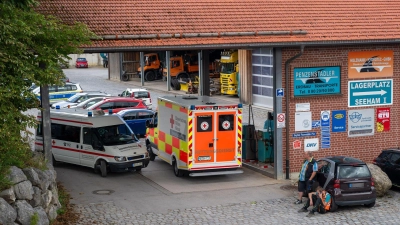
x: 81, y: 146
x: 77, y: 146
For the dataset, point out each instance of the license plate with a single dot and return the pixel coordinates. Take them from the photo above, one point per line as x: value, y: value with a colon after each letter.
x: 137, y: 164
x: 356, y: 185
x: 204, y: 158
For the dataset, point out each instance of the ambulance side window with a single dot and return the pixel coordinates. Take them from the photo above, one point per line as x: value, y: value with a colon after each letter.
x: 89, y: 138
x: 225, y: 122
x: 65, y: 132
x: 39, y: 131
x: 204, y: 123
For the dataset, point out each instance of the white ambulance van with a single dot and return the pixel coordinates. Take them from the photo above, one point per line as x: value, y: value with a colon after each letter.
x: 93, y: 139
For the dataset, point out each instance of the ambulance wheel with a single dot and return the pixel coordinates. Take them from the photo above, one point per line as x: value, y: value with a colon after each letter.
x: 54, y: 161
x: 177, y: 171
x: 103, y: 168
x: 151, y: 154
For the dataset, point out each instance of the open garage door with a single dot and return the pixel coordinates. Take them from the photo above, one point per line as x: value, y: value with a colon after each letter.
x: 262, y: 62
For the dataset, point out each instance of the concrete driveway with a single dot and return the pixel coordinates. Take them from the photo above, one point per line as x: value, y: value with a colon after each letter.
x: 156, y: 189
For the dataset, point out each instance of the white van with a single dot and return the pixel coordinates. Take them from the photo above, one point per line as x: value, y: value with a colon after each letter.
x: 93, y: 139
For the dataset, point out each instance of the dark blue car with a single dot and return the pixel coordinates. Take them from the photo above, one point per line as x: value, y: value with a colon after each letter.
x: 136, y: 119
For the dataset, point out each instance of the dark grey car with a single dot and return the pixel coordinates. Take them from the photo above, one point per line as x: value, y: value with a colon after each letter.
x: 348, y: 180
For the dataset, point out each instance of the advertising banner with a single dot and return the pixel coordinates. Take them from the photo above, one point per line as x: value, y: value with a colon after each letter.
x: 370, y: 64
x: 382, y: 119
x: 316, y: 80
x: 361, y: 122
x: 339, y: 121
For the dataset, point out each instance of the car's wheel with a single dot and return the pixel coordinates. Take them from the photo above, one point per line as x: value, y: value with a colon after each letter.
x: 125, y: 77
x: 177, y: 171
x: 150, y: 76
x: 103, y: 168
x: 370, y: 205
x: 334, y: 207
x: 151, y: 154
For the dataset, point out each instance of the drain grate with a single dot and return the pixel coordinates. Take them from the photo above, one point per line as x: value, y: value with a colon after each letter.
x: 103, y: 192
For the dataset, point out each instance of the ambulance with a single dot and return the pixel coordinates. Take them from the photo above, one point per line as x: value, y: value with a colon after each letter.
x: 93, y: 139
x: 197, y: 135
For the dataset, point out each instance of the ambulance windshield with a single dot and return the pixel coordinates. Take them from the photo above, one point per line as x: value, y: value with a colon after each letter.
x: 116, y: 135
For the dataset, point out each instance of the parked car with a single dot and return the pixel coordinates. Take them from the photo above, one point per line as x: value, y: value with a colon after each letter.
x: 389, y: 162
x: 118, y: 104
x: 81, y: 63
x: 78, y: 98
x: 136, y: 119
x: 348, y: 180
x: 139, y: 93
x: 62, y: 92
x: 89, y: 102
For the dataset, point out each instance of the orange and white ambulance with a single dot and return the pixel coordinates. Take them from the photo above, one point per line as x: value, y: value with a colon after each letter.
x: 93, y: 139
x: 197, y: 135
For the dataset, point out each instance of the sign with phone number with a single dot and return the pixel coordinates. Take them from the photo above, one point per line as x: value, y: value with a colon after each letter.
x: 316, y: 81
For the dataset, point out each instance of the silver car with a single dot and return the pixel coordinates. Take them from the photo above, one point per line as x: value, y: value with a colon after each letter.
x: 89, y: 102
x: 78, y: 98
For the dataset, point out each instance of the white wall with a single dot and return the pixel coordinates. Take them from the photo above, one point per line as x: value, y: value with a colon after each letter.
x: 93, y: 59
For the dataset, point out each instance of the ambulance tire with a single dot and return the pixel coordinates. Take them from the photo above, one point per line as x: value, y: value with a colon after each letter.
x: 103, y: 168
x: 177, y: 171
x: 54, y: 161
x: 151, y: 154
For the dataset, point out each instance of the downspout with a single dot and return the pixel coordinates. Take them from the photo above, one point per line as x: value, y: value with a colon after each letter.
x: 287, y: 80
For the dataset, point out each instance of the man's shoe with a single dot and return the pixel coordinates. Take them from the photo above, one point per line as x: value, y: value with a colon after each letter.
x: 302, y: 210
x: 311, y: 214
x: 298, y: 202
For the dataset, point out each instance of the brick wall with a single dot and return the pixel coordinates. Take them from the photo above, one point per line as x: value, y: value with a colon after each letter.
x: 366, y: 148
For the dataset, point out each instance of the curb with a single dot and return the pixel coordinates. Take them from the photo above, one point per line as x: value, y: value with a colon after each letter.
x: 258, y: 169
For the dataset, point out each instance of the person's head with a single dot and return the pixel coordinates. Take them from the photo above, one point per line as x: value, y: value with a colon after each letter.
x: 308, y: 155
x: 319, y: 189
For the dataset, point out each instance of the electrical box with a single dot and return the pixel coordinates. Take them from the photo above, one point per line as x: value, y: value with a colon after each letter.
x: 265, y: 146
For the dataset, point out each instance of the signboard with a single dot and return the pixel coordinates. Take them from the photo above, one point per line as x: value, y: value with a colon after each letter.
x: 302, y: 107
x: 370, y: 92
x: 280, y: 92
x: 281, y: 120
x: 339, y: 121
x: 296, y: 144
x: 316, y: 123
x: 325, y: 129
x: 302, y: 121
x: 325, y: 118
x: 311, y: 144
x: 361, y: 122
x: 316, y: 81
x: 304, y: 134
x: 382, y: 119
x: 370, y: 64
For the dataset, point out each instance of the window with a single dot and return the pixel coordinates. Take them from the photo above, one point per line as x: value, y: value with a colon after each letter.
x: 107, y: 105
x: 175, y: 64
x: 65, y: 132
x: 204, y: 123
x: 353, y: 171
x: 52, y: 88
x: 395, y: 158
x: 324, y: 166
x: 144, y: 115
x: 133, y: 104
x: 226, y: 122
x: 130, y: 116
x: 90, y: 138
x: 62, y: 88
x: 73, y: 88
x: 39, y: 131
x: 141, y: 94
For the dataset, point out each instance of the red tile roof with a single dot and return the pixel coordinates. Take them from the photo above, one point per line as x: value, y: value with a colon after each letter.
x: 322, y: 20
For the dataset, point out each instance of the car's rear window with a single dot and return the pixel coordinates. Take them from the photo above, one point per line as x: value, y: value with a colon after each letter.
x: 141, y: 94
x: 356, y: 171
x: 81, y: 59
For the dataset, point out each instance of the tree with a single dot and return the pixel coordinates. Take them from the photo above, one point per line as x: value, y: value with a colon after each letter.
x: 28, y: 38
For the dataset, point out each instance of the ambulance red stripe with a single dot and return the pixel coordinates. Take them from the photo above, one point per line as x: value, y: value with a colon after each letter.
x: 71, y: 121
x: 77, y: 150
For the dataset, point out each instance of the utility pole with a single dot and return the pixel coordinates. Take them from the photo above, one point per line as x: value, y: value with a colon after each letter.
x: 46, y: 122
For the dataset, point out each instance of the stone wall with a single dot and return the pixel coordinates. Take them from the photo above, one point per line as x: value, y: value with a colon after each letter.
x: 33, y: 194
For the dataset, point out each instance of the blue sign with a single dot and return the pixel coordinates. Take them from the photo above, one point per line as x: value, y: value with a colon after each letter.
x: 316, y: 80
x: 325, y: 118
x: 316, y: 123
x: 280, y: 92
x: 339, y: 121
x: 305, y: 134
x: 370, y: 92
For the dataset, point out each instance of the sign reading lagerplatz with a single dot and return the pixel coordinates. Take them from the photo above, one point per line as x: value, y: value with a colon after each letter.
x: 316, y: 80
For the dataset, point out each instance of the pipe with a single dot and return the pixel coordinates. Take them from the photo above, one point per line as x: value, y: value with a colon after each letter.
x: 192, y: 35
x: 287, y: 80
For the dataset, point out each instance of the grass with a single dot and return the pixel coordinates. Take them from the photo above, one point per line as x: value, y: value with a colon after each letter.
x: 34, y: 219
x: 66, y: 214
